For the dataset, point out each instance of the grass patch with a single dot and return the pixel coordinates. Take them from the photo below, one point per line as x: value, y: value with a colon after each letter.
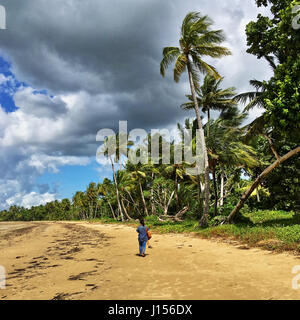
x: 268, y: 229
x: 272, y: 230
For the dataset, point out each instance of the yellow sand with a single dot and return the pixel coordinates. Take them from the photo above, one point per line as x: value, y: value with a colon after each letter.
x: 78, y: 260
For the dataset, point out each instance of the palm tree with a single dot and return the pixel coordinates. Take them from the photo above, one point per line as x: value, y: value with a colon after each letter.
x: 211, y: 97
x: 192, y: 126
x: 106, y: 191
x: 80, y: 204
x: 117, y: 146
x: 197, y: 40
x: 227, y: 149
x: 138, y: 176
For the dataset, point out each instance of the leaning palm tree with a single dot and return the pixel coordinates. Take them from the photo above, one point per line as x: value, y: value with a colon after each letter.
x: 211, y: 97
x: 197, y: 41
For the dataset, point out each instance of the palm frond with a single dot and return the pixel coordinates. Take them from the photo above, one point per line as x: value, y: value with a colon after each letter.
x: 180, y: 67
x: 212, y: 50
x: 188, y: 21
x: 258, y: 85
x: 169, y: 55
x: 195, y: 77
x: 255, y: 127
x: 213, y: 36
x: 271, y: 61
x: 188, y: 106
x: 244, y: 97
x: 256, y: 102
x: 206, y: 68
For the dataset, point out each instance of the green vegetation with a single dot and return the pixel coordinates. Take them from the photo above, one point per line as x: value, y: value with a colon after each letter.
x: 251, y: 173
x: 267, y: 229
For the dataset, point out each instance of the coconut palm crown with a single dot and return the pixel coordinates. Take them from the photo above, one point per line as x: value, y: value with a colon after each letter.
x: 197, y: 40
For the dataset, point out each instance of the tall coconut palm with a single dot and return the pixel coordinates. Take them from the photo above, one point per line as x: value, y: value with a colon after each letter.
x: 189, y: 129
x: 139, y: 176
x: 227, y: 149
x: 197, y: 40
x: 117, y: 146
x: 106, y: 191
x: 211, y: 97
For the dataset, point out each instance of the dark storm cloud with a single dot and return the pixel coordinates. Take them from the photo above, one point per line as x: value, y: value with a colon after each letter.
x: 100, y: 61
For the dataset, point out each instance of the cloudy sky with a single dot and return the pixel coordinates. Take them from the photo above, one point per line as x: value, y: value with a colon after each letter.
x: 70, y: 68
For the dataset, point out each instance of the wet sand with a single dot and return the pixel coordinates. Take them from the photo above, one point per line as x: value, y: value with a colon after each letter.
x: 78, y: 260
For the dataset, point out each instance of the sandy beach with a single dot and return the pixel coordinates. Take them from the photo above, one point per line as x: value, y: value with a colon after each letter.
x: 79, y: 260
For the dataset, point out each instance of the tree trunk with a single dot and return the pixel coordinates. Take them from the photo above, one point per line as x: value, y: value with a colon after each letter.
x: 133, y: 202
x: 176, y: 191
x: 125, y: 211
x: 168, y: 204
x: 112, y: 211
x: 200, y: 200
x: 96, y: 210
x: 260, y: 178
x: 179, y: 215
x: 257, y: 194
x: 215, y: 192
x: 272, y: 146
x: 203, y: 220
x: 222, y: 188
x: 117, y: 189
x: 208, y: 119
x: 143, y: 199
x: 152, y: 197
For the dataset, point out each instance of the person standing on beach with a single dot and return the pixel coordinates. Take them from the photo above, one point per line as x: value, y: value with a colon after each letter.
x: 142, y: 237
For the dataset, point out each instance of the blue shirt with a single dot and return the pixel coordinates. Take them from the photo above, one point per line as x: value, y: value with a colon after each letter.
x: 141, y: 230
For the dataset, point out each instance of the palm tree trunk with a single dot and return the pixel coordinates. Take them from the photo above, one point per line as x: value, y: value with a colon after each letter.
x: 152, y: 196
x: 260, y: 178
x: 96, y: 210
x: 199, y: 192
x: 143, y: 199
x: 215, y: 191
x: 125, y: 211
x: 133, y: 202
x: 112, y: 211
x: 208, y: 120
x: 117, y: 189
x: 222, y: 188
x: 203, y: 220
x: 176, y: 191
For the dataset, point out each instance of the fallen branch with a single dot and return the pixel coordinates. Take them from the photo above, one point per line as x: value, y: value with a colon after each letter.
x: 177, y: 217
